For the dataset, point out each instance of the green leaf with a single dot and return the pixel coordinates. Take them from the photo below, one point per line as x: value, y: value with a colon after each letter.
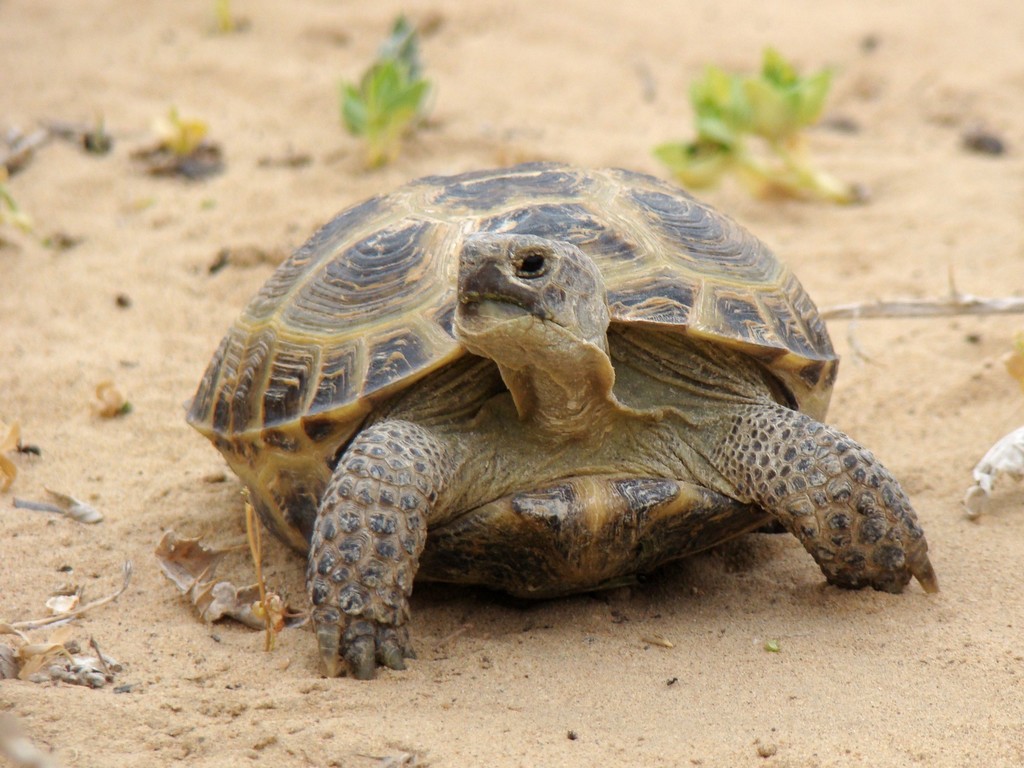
x: 698, y: 164
x: 772, y: 112
x: 403, y: 45
x: 353, y: 110
x: 776, y: 69
x: 774, y: 105
x: 782, y: 102
x: 390, y: 98
x: 720, y: 105
x: 814, y: 91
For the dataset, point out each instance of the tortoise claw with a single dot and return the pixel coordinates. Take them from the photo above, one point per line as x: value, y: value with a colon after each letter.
x: 922, y: 569
x: 392, y: 649
x: 328, y: 638
x: 359, y: 645
x: 359, y: 656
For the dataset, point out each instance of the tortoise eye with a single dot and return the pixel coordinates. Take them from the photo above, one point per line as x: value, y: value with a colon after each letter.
x: 532, y: 265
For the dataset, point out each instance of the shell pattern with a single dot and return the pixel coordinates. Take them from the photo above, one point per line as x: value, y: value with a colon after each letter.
x: 364, y: 309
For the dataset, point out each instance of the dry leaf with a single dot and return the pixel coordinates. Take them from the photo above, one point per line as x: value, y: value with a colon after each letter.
x: 57, y: 659
x: 190, y: 564
x: 34, y: 656
x: 110, y: 401
x: 8, y: 662
x: 10, y: 437
x: 1006, y: 457
x: 272, y: 611
x: 16, y: 627
x: 77, y: 510
x: 186, y: 562
x: 62, y: 604
x: 658, y: 640
x: 1014, y: 361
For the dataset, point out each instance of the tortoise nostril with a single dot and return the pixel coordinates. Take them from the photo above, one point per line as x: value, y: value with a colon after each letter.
x: 532, y: 265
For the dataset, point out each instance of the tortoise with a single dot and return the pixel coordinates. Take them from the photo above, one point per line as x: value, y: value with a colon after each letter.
x: 542, y: 380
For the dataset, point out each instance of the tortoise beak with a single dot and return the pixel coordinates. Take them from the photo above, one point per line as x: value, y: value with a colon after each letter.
x: 490, y: 271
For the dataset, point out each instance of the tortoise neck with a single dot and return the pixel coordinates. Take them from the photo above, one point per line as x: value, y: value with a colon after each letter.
x: 562, y: 388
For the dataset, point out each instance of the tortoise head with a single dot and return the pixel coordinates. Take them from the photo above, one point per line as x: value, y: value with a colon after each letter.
x: 507, y: 283
x: 538, y: 309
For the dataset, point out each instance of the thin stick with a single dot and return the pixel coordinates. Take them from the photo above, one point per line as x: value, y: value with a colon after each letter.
x: 452, y: 635
x: 99, y: 657
x: 62, y: 617
x: 22, y: 149
x: 254, y: 535
x: 954, y: 304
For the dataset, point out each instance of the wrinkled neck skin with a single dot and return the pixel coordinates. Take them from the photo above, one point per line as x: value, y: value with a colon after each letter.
x: 561, y: 384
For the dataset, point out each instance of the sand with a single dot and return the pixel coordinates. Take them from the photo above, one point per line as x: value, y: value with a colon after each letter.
x: 859, y: 679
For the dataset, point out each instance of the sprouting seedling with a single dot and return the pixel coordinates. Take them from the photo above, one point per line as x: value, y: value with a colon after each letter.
x: 390, y: 98
x: 774, y: 106
x: 224, y: 18
x: 182, y: 136
x: 181, y: 148
x: 10, y: 213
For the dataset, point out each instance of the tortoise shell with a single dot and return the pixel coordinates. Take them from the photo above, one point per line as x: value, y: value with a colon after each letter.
x: 364, y: 309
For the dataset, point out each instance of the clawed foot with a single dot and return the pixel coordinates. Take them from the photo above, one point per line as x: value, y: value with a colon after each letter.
x: 362, y: 644
x: 888, y: 568
x: 846, y: 508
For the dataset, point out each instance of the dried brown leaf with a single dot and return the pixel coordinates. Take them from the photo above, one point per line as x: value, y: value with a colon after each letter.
x: 10, y: 437
x: 57, y: 659
x: 110, y: 402
x: 33, y: 657
x: 224, y: 599
x: 8, y: 662
x: 658, y: 640
x: 1014, y: 361
x: 186, y: 562
x: 190, y: 564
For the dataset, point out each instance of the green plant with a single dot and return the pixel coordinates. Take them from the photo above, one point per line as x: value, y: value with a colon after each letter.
x: 224, y: 19
x: 181, y: 136
x: 390, y: 98
x: 10, y: 213
x: 774, y: 106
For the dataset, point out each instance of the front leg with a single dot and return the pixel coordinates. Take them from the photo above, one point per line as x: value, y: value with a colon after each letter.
x: 370, y: 530
x: 846, y: 508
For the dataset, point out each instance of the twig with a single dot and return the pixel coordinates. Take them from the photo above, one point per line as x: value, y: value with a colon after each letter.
x: 22, y: 148
x: 37, y: 506
x: 451, y: 636
x: 99, y: 657
x: 252, y: 532
x: 62, y: 617
x: 954, y: 304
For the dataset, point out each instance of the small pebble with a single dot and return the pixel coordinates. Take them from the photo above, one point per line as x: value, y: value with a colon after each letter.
x: 766, y: 750
x: 983, y: 142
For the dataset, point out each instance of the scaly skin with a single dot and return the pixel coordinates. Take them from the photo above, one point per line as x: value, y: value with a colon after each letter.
x: 366, y: 545
x: 848, y: 511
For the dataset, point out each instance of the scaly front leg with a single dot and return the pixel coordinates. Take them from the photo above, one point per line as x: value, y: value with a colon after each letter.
x: 369, y: 533
x: 849, y: 512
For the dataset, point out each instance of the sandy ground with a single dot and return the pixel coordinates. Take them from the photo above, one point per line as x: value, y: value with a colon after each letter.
x: 861, y: 679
